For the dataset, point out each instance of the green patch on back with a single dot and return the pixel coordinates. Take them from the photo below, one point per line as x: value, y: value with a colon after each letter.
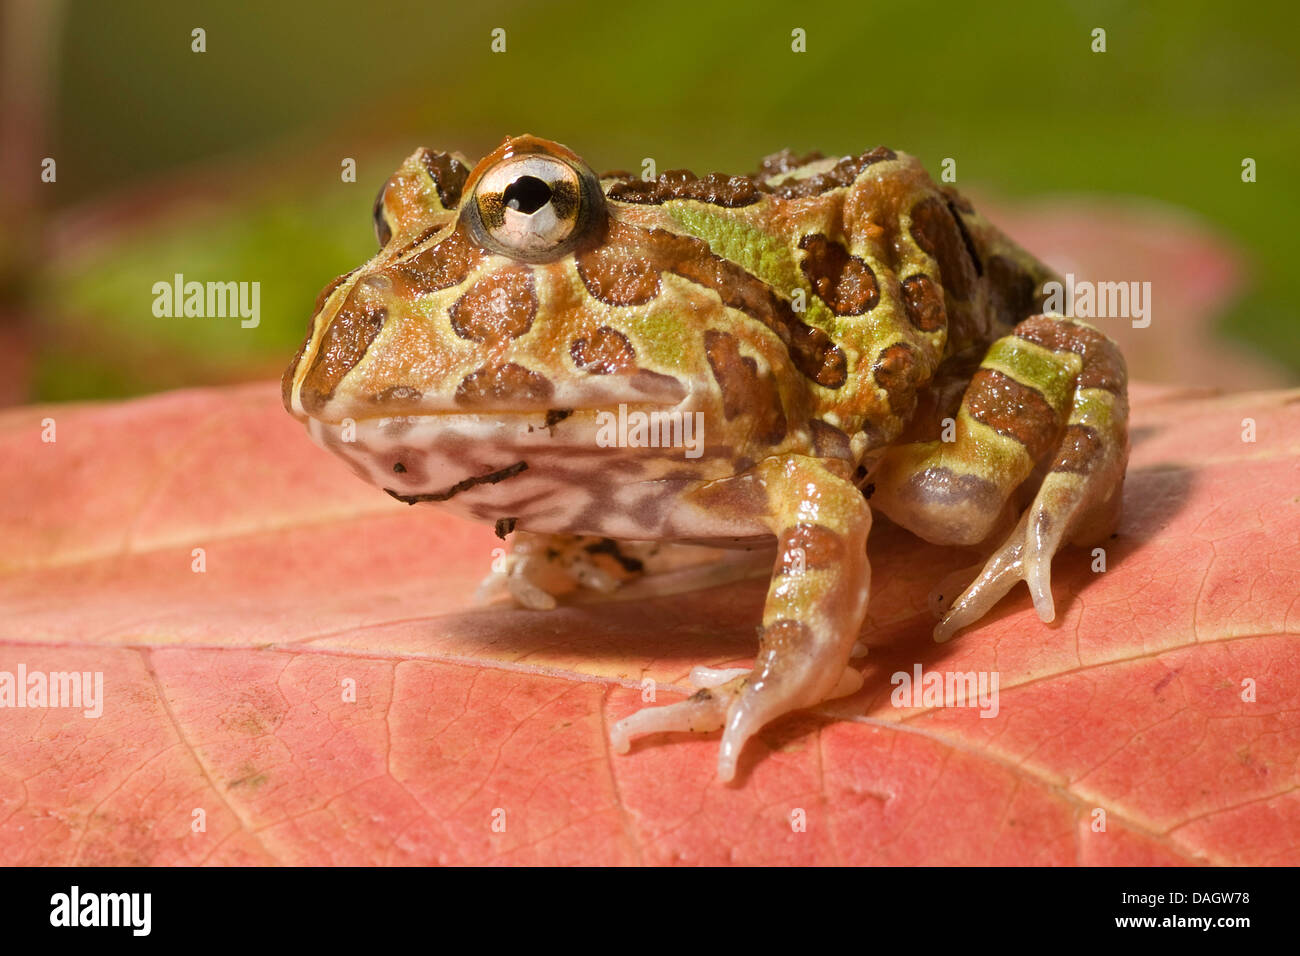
x: 766, y: 256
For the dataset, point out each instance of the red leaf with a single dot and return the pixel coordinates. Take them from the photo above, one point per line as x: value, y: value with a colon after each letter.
x: 224, y: 689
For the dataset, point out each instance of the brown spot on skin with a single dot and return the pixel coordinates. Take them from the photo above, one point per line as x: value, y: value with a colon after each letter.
x: 822, y: 548
x: 841, y: 174
x: 718, y: 189
x: 943, y: 487
x: 439, y: 267
x: 504, y: 526
x: 657, y: 386
x: 742, y: 495
x: 383, y: 232
x: 829, y: 441
x: 956, y: 200
x: 1012, y: 409
x: 286, y: 380
x: 326, y: 292
x: 1103, y: 365
x: 341, y: 347
x: 410, y: 465
x: 503, y: 386
x: 604, y: 352
x: 1014, y: 290
x: 448, y: 175
x: 924, y: 304
x: 397, y: 395
x: 497, y: 307
x: 811, y: 349
x: 843, y: 281
x: 898, y: 372
x: 935, y: 229
x: 617, y: 276
x: 775, y: 164
x: 1080, y: 447
x: 556, y: 415
x: 744, y: 391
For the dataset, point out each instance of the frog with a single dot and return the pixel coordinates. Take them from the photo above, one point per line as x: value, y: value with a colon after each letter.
x: 609, y: 367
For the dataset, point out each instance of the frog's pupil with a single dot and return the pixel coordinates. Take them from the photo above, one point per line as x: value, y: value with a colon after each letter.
x: 527, y: 194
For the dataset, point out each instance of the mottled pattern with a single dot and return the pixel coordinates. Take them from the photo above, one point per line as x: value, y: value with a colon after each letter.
x: 344, y: 343
x: 512, y: 307
x: 744, y: 390
x: 506, y: 386
x: 715, y: 188
x: 898, y: 372
x: 829, y: 441
x: 604, y: 352
x: 448, y: 175
x: 935, y: 229
x: 923, y: 303
x: 1013, y: 409
x: 774, y: 164
x: 941, y: 487
x: 1103, y: 365
x: 810, y: 547
x: 840, y: 175
x: 439, y: 267
x: 843, y: 281
x: 618, y: 274
x: 497, y: 307
x: 1080, y: 447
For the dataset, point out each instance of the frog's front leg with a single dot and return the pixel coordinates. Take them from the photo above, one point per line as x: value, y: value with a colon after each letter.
x: 540, y: 567
x: 815, y: 605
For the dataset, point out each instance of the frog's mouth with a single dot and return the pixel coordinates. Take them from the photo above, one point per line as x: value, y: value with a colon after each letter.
x: 501, y: 474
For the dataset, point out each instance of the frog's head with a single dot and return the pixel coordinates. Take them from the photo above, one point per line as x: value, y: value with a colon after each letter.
x: 528, y: 311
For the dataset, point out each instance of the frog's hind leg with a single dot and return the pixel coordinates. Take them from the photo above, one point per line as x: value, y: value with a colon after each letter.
x: 1049, y: 396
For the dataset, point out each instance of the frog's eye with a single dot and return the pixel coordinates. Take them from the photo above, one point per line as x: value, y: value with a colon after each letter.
x: 533, y: 207
x: 382, y: 231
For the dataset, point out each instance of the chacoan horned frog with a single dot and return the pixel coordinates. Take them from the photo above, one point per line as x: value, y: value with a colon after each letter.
x: 588, y: 361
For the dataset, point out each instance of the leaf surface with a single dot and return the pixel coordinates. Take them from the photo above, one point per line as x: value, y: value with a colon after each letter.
x: 225, y: 690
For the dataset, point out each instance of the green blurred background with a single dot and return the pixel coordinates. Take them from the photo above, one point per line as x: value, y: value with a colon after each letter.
x: 226, y: 164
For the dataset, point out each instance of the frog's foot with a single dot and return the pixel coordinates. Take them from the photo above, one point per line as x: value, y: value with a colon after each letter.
x: 721, y: 700
x: 540, y: 568
x: 1080, y: 504
x: 1048, y: 399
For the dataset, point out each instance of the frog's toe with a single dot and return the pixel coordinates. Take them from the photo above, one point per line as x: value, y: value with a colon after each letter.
x: 999, y: 574
x: 762, y: 702
x: 702, y: 677
x: 701, y: 713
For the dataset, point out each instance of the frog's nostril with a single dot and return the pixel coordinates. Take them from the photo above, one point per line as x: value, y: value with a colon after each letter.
x: 527, y: 194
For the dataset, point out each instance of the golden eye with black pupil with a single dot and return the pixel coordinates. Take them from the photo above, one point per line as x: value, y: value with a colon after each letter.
x: 382, y: 232
x: 534, y: 207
